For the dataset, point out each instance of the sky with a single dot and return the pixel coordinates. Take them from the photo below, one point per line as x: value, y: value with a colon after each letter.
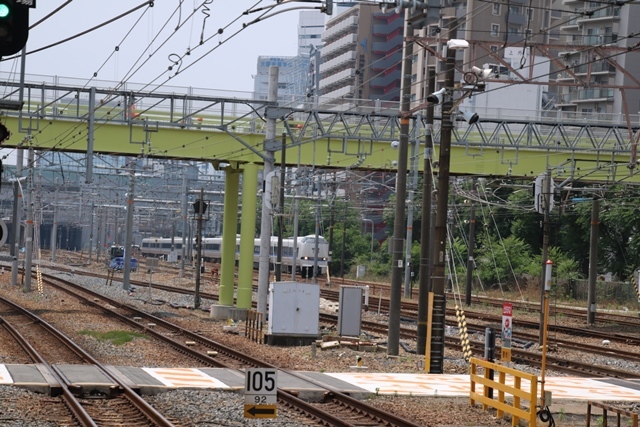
x: 149, y: 43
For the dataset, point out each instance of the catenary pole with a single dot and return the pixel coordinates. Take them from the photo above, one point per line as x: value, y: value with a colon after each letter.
x: 425, y: 225
x: 436, y: 356
x: 265, y: 221
x: 593, y: 260
x: 393, y: 338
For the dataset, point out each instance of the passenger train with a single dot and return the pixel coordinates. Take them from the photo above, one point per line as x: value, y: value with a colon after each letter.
x: 212, y: 247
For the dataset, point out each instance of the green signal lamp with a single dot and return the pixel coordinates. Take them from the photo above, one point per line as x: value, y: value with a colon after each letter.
x: 4, y: 11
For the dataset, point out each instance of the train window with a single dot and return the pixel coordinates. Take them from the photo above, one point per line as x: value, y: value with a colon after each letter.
x: 256, y: 250
x: 178, y: 245
x: 145, y: 244
x: 216, y: 246
x: 166, y: 245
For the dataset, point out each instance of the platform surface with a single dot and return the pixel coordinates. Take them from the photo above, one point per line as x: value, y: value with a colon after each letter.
x: 358, y: 383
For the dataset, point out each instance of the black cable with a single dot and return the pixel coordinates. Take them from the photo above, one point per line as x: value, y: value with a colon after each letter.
x: 148, y: 2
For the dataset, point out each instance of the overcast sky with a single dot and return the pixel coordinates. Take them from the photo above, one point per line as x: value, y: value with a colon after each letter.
x: 228, y: 61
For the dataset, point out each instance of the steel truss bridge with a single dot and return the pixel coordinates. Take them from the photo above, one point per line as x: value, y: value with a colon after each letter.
x: 356, y: 135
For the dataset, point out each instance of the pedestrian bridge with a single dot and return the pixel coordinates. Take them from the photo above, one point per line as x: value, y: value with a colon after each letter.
x: 184, y: 125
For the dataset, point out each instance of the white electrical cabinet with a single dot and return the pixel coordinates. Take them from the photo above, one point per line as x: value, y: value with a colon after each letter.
x: 294, y: 308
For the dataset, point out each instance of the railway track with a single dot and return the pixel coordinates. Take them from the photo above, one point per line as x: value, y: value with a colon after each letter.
x: 558, y: 363
x: 127, y: 407
x: 211, y: 353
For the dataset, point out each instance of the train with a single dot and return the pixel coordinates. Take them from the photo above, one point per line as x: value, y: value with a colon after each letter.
x: 212, y: 247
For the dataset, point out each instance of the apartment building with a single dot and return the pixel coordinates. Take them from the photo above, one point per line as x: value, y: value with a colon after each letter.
x: 596, y: 39
x: 361, y: 56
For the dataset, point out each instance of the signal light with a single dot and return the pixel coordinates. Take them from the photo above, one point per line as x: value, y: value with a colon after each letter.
x: 4, y: 133
x: 14, y: 26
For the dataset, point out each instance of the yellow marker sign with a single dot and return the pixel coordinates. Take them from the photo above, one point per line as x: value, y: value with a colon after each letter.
x: 260, y: 411
x: 505, y: 355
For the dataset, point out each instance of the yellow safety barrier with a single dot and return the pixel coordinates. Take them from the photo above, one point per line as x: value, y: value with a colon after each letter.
x: 519, y: 393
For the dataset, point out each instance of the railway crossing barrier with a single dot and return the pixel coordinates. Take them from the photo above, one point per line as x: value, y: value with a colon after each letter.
x: 605, y: 408
x: 519, y: 393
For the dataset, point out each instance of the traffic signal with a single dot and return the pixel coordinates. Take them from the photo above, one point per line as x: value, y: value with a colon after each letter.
x: 14, y: 26
x: 4, y: 133
x: 328, y: 8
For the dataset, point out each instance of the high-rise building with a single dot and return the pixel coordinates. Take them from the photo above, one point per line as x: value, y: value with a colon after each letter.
x: 597, y: 54
x: 575, y: 46
x: 292, y: 70
x: 310, y: 29
x: 361, y: 56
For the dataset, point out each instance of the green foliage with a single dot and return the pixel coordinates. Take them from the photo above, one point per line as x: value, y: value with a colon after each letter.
x: 116, y: 337
x: 503, y: 262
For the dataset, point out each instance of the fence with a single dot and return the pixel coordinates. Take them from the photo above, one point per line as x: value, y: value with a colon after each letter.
x: 253, y: 327
x: 618, y: 411
x: 519, y: 393
x: 621, y: 292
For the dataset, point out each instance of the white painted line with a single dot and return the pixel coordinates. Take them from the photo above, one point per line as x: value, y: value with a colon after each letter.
x: 459, y: 385
x: 5, y: 376
x: 185, y: 377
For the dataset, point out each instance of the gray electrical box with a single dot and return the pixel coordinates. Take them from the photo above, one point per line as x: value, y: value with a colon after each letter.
x: 294, y: 309
x: 350, y: 311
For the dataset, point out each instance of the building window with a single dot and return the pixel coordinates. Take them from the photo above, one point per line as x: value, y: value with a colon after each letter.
x: 495, y: 29
x: 529, y: 14
x: 496, y: 9
x: 493, y: 48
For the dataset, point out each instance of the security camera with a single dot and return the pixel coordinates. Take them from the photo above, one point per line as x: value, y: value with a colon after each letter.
x: 395, y: 145
x: 457, y: 44
x: 394, y: 163
x: 436, y: 97
x: 470, y: 117
x: 481, y: 73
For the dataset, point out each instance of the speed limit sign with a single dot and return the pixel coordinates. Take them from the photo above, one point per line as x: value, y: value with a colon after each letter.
x: 260, y: 393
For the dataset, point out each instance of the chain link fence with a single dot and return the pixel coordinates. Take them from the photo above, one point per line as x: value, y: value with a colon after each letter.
x: 619, y: 292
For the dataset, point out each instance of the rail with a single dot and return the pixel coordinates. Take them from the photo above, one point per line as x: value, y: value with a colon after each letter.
x: 518, y: 392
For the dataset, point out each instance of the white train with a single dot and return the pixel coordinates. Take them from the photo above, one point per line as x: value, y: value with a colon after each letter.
x: 212, y: 247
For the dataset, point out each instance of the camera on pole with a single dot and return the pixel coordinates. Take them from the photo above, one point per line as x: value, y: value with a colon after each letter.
x: 14, y: 26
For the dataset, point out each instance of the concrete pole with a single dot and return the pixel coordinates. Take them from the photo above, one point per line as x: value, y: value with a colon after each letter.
x: 470, y: 251
x: 54, y: 229
x: 28, y: 256
x: 283, y: 168
x: 425, y: 224
x: 93, y: 207
x: 413, y: 167
x: 546, y: 232
x: 317, y: 235
x: 438, y: 279
x: 18, y: 200
x: 247, y: 235
x: 196, y: 302
x: 229, y: 228
x: 593, y: 260
x: 90, y: 137
x: 98, y: 235
x: 265, y: 222
x: 126, y: 272
x: 296, y: 214
x: 393, y: 339
x: 184, y: 224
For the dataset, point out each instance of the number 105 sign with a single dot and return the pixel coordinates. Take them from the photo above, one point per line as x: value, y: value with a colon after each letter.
x: 261, y: 387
